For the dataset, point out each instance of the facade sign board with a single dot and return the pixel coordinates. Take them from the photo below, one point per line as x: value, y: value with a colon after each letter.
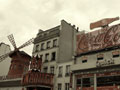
x: 99, y: 39
x: 105, y: 62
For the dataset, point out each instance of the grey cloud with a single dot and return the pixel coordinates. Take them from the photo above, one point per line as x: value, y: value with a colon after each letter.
x: 23, y: 18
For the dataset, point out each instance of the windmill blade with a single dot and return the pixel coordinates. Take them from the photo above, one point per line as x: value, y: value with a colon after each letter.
x: 4, y: 56
x: 26, y: 43
x: 11, y: 39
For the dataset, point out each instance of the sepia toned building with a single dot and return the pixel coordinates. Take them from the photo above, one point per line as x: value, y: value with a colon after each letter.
x: 4, y: 48
x: 55, y: 47
x: 97, y: 63
x: 64, y: 58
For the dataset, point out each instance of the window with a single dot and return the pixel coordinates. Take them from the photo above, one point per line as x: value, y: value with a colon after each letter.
x: 41, y: 56
x: 48, y: 44
x: 52, y: 70
x: 84, y: 61
x: 115, y: 54
x: 45, y: 69
x: 45, y: 34
x: 59, y: 86
x: 75, y: 61
x: 42, y: 46
x: 100, y: 57
x: 78, y: 82
x: 60, y: 71
x: 46, y: 57
x: 66, y: 86
x: 85, y: 82
x: 37, y: 48
x: 108, y: 81
x: 53, y: 57
x: 67, y: 70
x: 55, y: 43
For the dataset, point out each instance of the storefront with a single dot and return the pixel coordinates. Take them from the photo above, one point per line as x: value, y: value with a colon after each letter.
x: 102, y: 78
x: 97, y: 61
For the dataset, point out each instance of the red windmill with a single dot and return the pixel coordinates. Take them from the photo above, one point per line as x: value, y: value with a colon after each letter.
x: 19, y: 59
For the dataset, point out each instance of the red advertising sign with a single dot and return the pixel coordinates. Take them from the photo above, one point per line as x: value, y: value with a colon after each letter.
x: 108, y: 74
x: 108, y: 88
x: 100, y: 88
x: 84, y: 75
x: 99, y: 39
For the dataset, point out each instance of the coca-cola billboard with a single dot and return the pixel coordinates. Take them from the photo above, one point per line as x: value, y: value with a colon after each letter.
x: 99, y: 39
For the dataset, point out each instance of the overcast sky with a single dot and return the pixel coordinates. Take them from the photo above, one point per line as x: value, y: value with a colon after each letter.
x: 23, y: 18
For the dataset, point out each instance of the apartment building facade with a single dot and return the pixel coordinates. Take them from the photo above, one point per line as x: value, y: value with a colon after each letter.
x: 55, y: 47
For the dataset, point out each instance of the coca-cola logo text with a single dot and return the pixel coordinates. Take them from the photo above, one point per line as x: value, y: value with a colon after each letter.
x: 100, y: 39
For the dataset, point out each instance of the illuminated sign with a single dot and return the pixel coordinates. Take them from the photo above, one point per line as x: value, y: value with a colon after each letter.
x: 99, y: 39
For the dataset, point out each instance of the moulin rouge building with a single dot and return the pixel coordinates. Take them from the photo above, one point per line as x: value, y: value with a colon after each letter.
x: 97, y: 63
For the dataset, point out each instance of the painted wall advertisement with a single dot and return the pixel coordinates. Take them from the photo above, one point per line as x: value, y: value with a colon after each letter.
x: 99, y: 39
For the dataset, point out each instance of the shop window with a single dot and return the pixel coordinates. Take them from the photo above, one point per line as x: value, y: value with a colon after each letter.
x: 78, y: 82
x: 108, y: 81
x: 86, y: 82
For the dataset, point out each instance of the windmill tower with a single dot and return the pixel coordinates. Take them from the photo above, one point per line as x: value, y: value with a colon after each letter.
x: 19, y: 59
